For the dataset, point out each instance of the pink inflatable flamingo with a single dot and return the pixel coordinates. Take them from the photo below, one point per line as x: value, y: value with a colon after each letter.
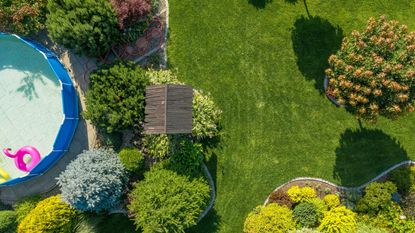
x: 19, y: 155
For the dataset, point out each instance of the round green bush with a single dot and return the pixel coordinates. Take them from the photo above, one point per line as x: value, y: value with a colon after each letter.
x: 116, y: 97
x: 50, y: 215
x: 377, y: 197
x: 271, y: 218
x: 167, y: 202
x: 338, y: 220
x: 89, y: 27
x: 304, y: 230
x: 94, y: 181
x: 306, y: 214
x: 332, y: 200
x: 372, y: 74
x: 132, y: 159
x: 280, y: 197
x: 24, y: 207
x: 8, y: 221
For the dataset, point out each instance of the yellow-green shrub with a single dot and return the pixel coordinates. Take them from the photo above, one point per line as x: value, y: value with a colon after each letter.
x: 298, y: 194
x: 332, y: 200
x: 49, y: 216
x: 271, y: 218
x: 338, y: 220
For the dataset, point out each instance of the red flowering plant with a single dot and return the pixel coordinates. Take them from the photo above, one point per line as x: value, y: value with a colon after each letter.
x: 373, y: 73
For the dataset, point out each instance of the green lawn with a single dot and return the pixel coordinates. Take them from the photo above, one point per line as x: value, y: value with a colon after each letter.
x: 263, y: 61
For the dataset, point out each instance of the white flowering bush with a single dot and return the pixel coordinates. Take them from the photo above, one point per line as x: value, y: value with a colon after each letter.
x: 94, y: 181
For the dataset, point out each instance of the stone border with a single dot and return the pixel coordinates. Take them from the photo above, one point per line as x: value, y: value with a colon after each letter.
x: 212, y: 192
x: 343, y: 188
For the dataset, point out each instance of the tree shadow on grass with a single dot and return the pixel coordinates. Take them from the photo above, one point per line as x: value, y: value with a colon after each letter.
x: 314, y: 40
x: 365, y: 153
x: 259, y: 4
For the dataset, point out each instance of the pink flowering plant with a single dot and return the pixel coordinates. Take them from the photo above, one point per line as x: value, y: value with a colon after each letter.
x: 373, y: 72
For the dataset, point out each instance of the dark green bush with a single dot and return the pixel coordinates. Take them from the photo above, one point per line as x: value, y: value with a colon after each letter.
x: 306, y: 214
x: 133, y: 160
x: 280, y: 197
x: 8, y: 222
x: 403, y: 177
x: 116, y: 97
x: 186, y: 156
x: 89, y: 27
x: 167, y: 202
x: 377, y: 197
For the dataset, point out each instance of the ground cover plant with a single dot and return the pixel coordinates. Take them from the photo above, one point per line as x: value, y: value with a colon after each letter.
x: 264, y: 67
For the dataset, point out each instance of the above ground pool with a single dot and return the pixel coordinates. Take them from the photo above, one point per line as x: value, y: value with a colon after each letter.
x: 38, y: 108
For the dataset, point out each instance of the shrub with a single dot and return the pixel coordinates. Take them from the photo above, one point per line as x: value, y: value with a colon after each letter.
x: 186, y: 156
x: 116, y: 98
x: 130, y: 11
x: 22, y: 16
x: 94, y: 181
x: 156, y: 146
x: 366, y: 228
x: 392, y: 218
x: 280, y: 197
x: 298, y: 194
x: 132, y: 159
x: 167, y: 202
x: 372, y: 74
x: 8, y: 222
x: 408, y: 204
x: 23, y: 208
x: 377, y: 196
x: 304, y: 230
x: 50, y: 215
x: 332, y: 200
x: 338, y: 220
x: 88, y: 27
x: 271, y: 218
x: 320, y: 206
x: 403, y: 177
x: 306, y: 214
x: 206, y: 114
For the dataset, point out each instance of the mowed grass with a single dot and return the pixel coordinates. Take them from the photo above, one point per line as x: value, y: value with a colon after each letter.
x: 263, y: 61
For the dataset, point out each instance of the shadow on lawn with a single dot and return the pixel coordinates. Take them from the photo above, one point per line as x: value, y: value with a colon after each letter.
x: 365, y: 153
x: 314, y: 40
x: 209, y: 224
x: 259, y: 4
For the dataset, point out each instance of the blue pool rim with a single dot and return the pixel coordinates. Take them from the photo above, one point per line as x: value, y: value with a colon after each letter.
x: 70, y: 110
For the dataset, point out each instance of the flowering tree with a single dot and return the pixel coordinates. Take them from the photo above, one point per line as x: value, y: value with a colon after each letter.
x: 373, y: 73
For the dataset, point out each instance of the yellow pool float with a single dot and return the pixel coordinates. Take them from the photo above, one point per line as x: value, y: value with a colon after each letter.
x: 4, y: 176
